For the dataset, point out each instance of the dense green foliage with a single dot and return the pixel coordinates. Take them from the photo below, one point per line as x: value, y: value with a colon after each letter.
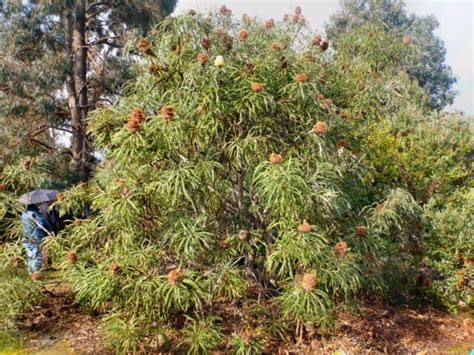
x: 255, y: 185
x: 427, y: 64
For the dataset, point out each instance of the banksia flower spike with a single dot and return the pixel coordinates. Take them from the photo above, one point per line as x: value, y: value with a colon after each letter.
x: 71, y: 256
x: 361, y: 231
x: 298, y: 10
x: 309, y: 282
x: 269, y: 23
x: 36, y: 276
x: 243, y: 35
x: 27, y: 164
x: 317, y: 40
x: 202, y: 58
x: 320, y: 128
x: 304, y: 227
x: 174, y: 277
x: 136, y: 118
x: 115, y: 269
x: 341, y: 249
x: 206, y: 43
x: 257, y: 87
x: 275, y: 158
x: 342, y: 143
x: 168, y: 113
x: 225, y: 11
x: 407, y: 40
x: 246, y: 19
x: 219, y: 61
x: 244, y: 234
x: 247, y: 68
x: 3, y: 187
x: 224, y: 244
x: 144, y: 46
x: 277, y: 46
x: 301, y: 77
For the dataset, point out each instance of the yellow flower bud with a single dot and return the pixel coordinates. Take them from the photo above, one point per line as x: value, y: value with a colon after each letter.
x: 219, y: 62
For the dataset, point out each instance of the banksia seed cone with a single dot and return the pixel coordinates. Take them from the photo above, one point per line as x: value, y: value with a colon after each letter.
x: 343, y: 143
x: 324, y: 45
x: 36, y: 276
x: 277, y: 46
x: 269, y: 23
x: 77, y: 222
x: 317, y: 40
x: 144, y: 46
x: 344, y: 114
x: 114, y: 269
x: 243, y: 35
x: 136, y: 117
x: 192, y: 12
x: 319, y: 96
x: 298, y: 10
x: 341, y: 249
x: 246, y: 19
x: 174, y: 277
x: 283, y: 62
x: 407, y: 40
x: 223, y: 10
x: 247, y: 68
x: 301, y: 77
x: 202, y: 58
x: 304, y: 227
x: 71, y: 256
x: 247, y: 335
x: 320, y: 128
x: 275, y: 158
x: 27, y: 163
x: 371, y: 34
x: 379, y: 208
x: 244, y: 234
x: 206, y: 43
x: 119, y: 182
x: 167, y: 112
x: 361, y: 231
x: 286, y: 17
x: 257, y: 87
x: 3, y: 187
x: 308, y: 57
x: 224, y: 244
x: 309, y: 281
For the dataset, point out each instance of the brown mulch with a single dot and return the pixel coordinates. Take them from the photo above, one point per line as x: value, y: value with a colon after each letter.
x: 377, y: 329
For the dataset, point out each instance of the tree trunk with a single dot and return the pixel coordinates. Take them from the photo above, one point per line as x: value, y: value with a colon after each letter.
x: 76, y: 85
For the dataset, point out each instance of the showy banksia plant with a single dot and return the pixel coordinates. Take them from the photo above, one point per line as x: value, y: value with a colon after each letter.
x: 206, y: 203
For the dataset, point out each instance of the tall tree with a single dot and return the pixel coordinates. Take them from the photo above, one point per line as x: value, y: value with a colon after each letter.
x: 429, y: 67
x: 61, y: 59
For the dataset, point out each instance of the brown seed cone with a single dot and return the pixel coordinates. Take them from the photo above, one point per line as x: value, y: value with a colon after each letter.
x: 283, y: 62
x: 174, y: 277
x: 379, y: 208
x: 361, y: 231
x: 71, y: 256
x: 269, y: 23
x: 344, y: 114
x: 247, y: 335
x: 224, y: 244
x: 318, y: 96
x: 167, y: 112
x: 343, y: 143
x: 247, y: 68
x: 304, y: 227
x: 206, y: 43
x: 298, y: 10
x: 407, y: 40
x: 276, y: 46
x: 246, y: 19
x: 243, y: 35
x: 301, y: 77
x: 324, y: 45
x: 133, y: 126
x: 257, y: 87
x: 120, y: 181
x: 320, y: 128
x: 115, y: 269
x: 153, y: 68
x: 27, y: 163
x: 202, y: 58
x: 3, y: 187
x: 144, y: 46
x: 371, y: 34
x: 77, y: 222
x: 192, y: 12
x: 36, y: 276
x: 244, y: 234
x: 286, y: 17
x: 317, y: 40
x: 308, y: 57
x: 137, y: 114
x: 60, y: 196
x: 309, y: 281
x: 275, y: 158
x: 341, y: 249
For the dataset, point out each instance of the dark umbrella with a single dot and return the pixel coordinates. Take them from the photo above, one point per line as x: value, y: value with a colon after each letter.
x: 38, y: 196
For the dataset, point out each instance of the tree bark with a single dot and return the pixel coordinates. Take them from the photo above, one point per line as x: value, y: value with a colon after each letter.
x: 76, y: 86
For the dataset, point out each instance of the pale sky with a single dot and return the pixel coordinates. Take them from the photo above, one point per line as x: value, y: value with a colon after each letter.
x: 456, y: 29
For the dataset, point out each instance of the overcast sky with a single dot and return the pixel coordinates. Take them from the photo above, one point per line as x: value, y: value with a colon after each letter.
x: 455, y: 17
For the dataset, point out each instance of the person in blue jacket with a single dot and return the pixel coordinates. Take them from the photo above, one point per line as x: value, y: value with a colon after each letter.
x: 35, y: 229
